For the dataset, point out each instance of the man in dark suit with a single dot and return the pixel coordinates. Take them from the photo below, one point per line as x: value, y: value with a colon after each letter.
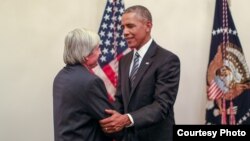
x: 79, y: 96
x: 148, y: 84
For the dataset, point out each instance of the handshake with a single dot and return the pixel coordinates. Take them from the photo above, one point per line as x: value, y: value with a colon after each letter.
x: 115, y: 123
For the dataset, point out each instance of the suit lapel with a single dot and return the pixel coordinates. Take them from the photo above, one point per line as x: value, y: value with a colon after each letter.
x: 126, y: 82
x: 145, y: 64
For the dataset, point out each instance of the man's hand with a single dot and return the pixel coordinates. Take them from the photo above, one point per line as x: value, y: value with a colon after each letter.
x: 115, y: 123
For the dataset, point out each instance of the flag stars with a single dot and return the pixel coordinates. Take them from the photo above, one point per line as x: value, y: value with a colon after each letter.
x: 224, y: 31
x: 121, y: 10
x: 115, y: 9
x: 214, y: 32
x: 117, y: 2
x: 119, y: 27
x: 115, y: 43
x: 122, y: 44
x: 109, y: 9
x: 221, y: 30
x: 117, y: 35
x: 122, y: 36
x: 240, y: 121
x: 105, y: 51
x: 111, y: 26
x: 114, y: 18
x: 104, y: 26
x: 234, y: 32
x: 112, y: 51
x: 106, y: 17
x: 244, y: 118
x: 218, y: 31
x: 102, y: 33
x: 110, y: 32
x: 119, y: 18
x: 110, y: 35
x: 103, y: 58
x: 107, y: 42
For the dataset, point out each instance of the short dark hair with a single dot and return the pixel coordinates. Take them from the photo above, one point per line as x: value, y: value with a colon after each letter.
x: 141, y: 11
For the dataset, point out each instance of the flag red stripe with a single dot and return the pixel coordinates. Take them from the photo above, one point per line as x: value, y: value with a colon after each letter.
x: 111, y: 74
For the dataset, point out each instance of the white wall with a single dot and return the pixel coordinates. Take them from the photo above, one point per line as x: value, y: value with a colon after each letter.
x: 32, y: 34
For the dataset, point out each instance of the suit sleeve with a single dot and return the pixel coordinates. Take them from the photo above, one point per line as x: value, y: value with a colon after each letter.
x: 166, y: 87
x: 118, y: 96
x: 97, y: 99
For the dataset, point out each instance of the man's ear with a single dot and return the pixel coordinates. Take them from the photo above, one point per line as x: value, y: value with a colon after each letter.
x: 149, y: 26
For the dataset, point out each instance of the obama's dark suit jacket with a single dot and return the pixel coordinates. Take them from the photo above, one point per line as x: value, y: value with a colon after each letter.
x: 79, y: 100
x: 151, y: 99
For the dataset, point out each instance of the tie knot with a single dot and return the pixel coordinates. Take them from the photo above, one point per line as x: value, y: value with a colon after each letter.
x: 137, y: 55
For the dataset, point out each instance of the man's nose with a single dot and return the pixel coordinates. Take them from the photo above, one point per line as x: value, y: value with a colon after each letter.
x: 125, y: 32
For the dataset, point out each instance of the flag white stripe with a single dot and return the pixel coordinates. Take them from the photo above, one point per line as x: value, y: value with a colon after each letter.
x: 109, y: 86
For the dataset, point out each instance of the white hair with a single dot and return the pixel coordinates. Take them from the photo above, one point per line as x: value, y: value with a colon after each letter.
x: 79, y: 43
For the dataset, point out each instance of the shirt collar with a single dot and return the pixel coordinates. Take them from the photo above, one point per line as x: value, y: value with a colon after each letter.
x: 142, y: 51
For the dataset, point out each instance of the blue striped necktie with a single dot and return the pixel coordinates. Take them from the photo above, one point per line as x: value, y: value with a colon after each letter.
x: 135, y: 68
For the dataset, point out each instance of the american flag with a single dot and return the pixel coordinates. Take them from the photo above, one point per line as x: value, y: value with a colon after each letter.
x: 228, y: 77
x: 113, y: 45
